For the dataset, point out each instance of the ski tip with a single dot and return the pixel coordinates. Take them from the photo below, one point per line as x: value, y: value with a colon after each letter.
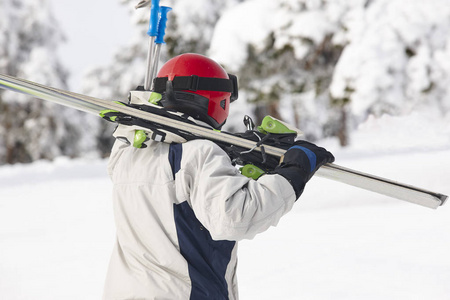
x: 443, y: 198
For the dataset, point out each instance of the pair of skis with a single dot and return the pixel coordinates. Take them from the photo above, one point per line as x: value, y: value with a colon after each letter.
x: 157, y: 118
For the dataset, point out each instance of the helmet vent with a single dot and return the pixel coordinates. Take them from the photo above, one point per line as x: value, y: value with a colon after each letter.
x: 222, y: 103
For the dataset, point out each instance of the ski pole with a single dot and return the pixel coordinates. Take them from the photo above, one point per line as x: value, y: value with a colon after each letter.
x: 152, y: 32
x: 164, y: 10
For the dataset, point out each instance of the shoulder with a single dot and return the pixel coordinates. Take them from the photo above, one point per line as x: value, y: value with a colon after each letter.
x: 204, y: 152
x: 203, y: 147
x: 129, y: 164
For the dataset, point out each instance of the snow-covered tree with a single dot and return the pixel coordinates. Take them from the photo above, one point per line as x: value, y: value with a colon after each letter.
x: 284, y: 53
x: 396, y: 59
x: 288, y: 55
x: 32, y: 129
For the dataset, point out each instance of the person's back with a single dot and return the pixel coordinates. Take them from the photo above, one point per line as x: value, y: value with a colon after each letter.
x: 144, y: 194
x: 163, y: 251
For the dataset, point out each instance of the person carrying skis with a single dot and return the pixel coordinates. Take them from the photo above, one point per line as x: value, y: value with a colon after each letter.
x: 180, y: 209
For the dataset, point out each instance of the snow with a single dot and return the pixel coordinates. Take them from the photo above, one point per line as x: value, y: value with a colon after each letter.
x: 251, y: 22
x: 395, y: 56
x: 339, y: 242
x: 392, y: 59
x: 56, y: 230
x: 256, y: 18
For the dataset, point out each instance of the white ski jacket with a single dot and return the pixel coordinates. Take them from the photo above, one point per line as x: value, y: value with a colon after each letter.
x: 179, y: 210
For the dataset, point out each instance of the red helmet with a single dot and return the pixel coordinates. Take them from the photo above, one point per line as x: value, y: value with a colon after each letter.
x: 198, y: 86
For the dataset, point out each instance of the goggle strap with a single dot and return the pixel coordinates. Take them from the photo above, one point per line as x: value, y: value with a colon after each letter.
x: 194, y: 83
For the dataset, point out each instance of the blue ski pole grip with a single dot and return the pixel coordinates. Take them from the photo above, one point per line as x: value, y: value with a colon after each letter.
x: 164, y: 10
x: 153, y: 25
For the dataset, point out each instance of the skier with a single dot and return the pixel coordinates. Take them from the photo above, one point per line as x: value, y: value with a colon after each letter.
x: 181, y: 208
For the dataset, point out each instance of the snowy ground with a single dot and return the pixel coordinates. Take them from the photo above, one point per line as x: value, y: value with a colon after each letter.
x: 339, y: 242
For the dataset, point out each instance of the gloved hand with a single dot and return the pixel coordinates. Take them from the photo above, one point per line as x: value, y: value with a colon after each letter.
x: 300, y: 162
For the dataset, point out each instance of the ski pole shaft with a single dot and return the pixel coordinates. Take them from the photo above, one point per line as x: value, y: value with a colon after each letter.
x: 148, y: 77
x: 152, y: 32
x: 164, y: 10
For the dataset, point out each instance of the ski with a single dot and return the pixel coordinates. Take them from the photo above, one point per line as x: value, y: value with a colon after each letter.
x: 158, y: 121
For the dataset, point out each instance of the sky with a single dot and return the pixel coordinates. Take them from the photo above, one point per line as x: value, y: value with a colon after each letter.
x: 94, y: 30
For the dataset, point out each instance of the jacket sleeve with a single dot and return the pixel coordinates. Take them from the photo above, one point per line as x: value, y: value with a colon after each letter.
x: 230, y: 205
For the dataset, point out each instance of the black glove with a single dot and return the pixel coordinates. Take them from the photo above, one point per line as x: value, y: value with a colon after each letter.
x: 300, y: 162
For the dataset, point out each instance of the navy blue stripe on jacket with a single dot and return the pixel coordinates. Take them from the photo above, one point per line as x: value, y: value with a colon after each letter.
x: 207, y: 259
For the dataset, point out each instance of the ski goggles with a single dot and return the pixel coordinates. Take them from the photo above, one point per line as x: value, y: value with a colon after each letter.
x: 194, y: 83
